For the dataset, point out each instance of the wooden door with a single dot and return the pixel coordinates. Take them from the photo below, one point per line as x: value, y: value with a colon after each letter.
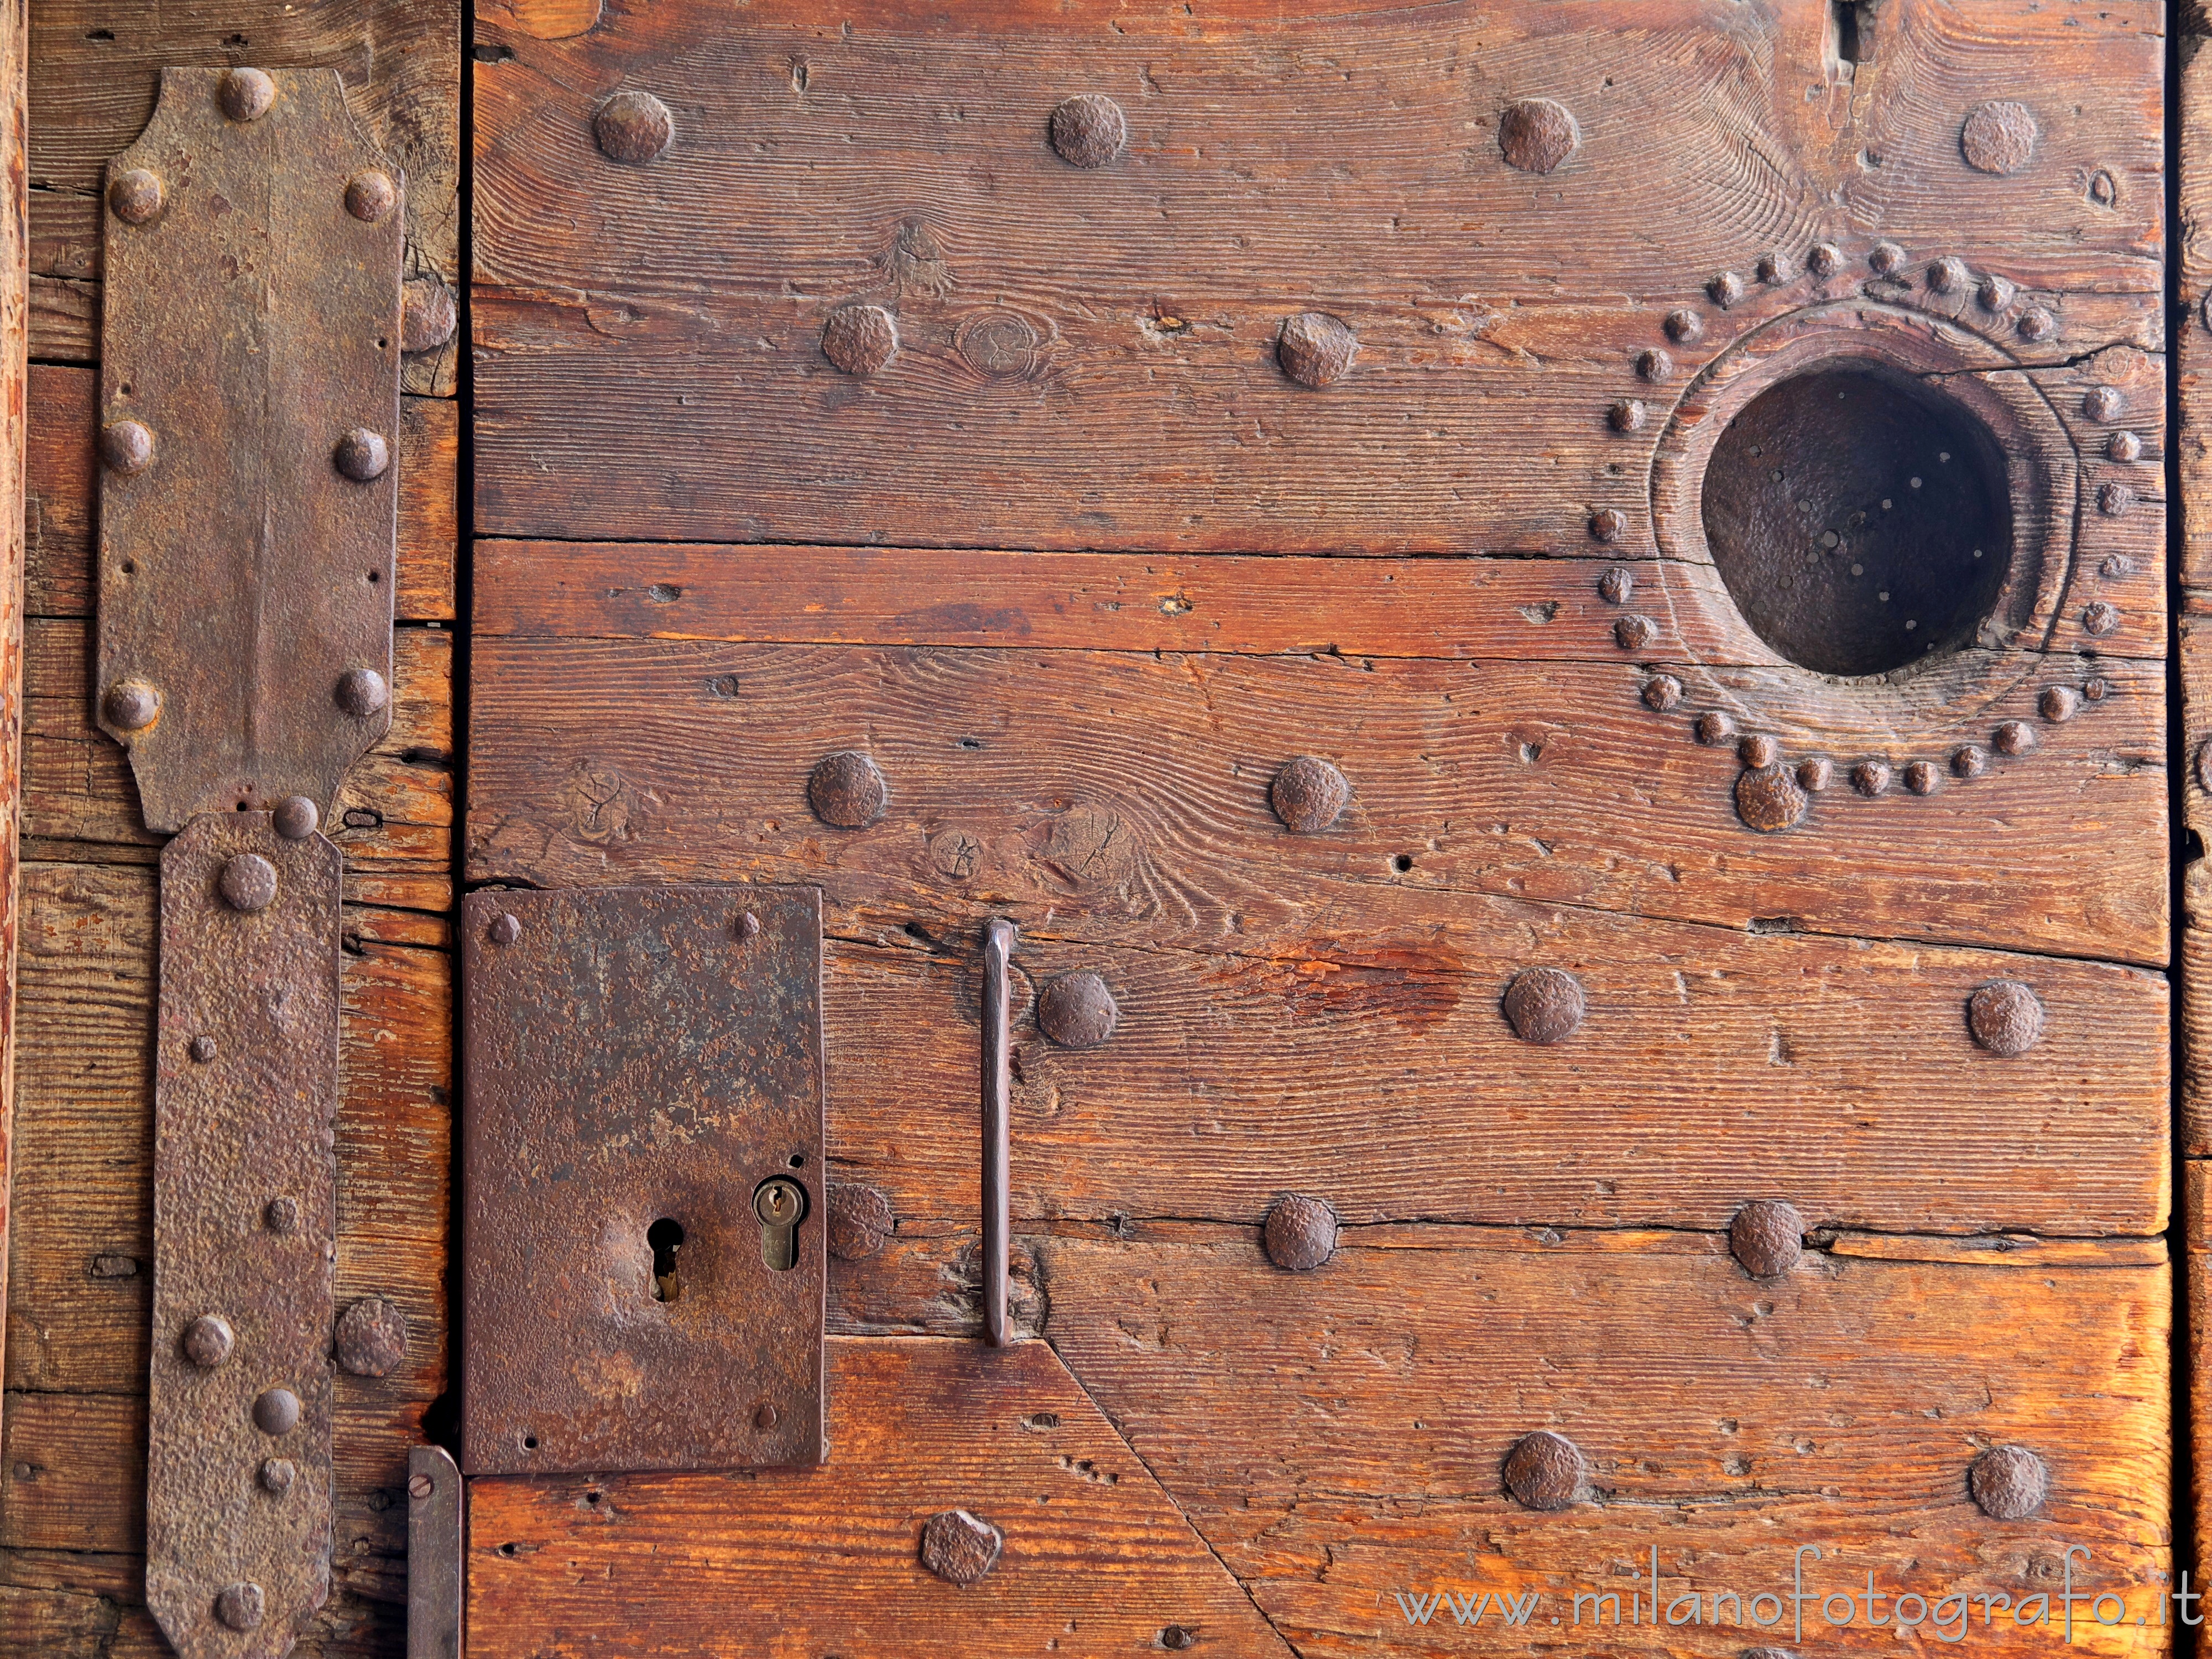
x: 1550, y: 623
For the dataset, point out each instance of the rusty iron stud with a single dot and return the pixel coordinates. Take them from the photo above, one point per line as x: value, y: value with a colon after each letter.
x: 135, y: 196
x: 248, y: 883
x: 633, y: 127
x: 860, y: 339
x: 847, y: 790
x: 1544, y: 1004
x: 1654, y: 365
x: 1815, y: 774
x: 1176, y: 1637
x: 362, y: 454
x: 1607, y: 524
x: 1309, y: 794
x: 1758, y: 750
x: 1299, y: 1233
x: 1088, y: 131
x: 2104, y: 403
x: 1949, y: 275
x: 207, y: 1341
x: 276, y: 1412
x: 1770, y: 800
x: 297, y: 818
x: 281, y: 1216
x: 1314, y: 348
x: 369, y: 195
x: 241, y: 1605
x: 960, y: 1547
x: 2123, y: 447
x: 1725, y: 290
x: 1544, y: 1471
x: 132, y: 705
x: 1825, y: 260
x: 204, y: 1049
x: 2005, y: 1018
x: 371, y: 1340
x: 246, y: 95
x: 505, y: 928
x: 1715, y: 729
x: 1683, y: 326
x: 1636, y: 634
x: 2100, y: 618
x: 276, y: 1475
x: 1617, y: 586
x: 126, y: 447
x: 767, y: 1417
x: 2013, y: 737
x: 1969, y: 761
x: 1870, y: 777
x: 1766, y: 1237
x: 2115, y: 499
x: 2058, y: 704
x: 1662, y: 693
x: 1994, y: 295
x: 1920, y: 778
x: 747, y: 927
x: 434, y: 1554
x: 1774, y: 269
x: 1076, y: 1011
x: 1628, y: 415
x: 860, y: 1219
x: 360, y: 692
x: 2008, y: 1483
x: 1998, y: 137
x: 1535, y: 135
x: 420, y: 1487
x: 427, y: 314
x: 1885, y: 260
x: 2037, y: 324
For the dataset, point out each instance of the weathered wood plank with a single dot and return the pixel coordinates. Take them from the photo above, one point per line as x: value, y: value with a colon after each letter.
x: 15, y: 414
x: 1348, y: 164
x: 1104, y: 790
x: 1725, y: 1421
x: 1096, y: 1560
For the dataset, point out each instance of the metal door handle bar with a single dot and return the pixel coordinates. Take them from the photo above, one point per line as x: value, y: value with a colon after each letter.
x: 999, y: 936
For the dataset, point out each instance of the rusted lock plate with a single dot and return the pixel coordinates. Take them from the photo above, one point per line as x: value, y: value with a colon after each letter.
x: 238, y: 1456
x: 642, y: 1063
x: 249, y: 473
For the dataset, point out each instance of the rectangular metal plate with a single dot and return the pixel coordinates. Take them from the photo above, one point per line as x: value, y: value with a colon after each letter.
x: 238, y: 1504
x: 638, y: 1055
x: 251, y: 323
x: 434, y: 1529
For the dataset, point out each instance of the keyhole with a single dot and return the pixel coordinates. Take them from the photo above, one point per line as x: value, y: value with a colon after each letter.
x: 666, y: 1237
x: 780, y: 1202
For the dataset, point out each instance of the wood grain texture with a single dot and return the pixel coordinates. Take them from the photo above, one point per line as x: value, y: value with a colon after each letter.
x: 1347, y: 164
x: 1111, y: 790
x: 14, y: 416
x: 1096, y: 1560
x: 97, y: 74
x: 1724, y: 1421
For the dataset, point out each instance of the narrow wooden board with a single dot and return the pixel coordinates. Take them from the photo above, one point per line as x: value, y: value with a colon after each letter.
x: 1725, y: 1423
x: 1345, y: 159
x: 1096, y: 1558
x: 1106, y: 790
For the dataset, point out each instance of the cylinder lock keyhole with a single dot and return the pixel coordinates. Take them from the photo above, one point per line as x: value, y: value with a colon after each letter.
x: 781, y: 1204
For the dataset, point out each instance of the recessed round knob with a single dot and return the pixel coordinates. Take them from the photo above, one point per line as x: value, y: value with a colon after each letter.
x: 360, y: 692
x: 246, y: 95
x: 207, y: 1341
x: 248, y: 883
x: 362, y: 454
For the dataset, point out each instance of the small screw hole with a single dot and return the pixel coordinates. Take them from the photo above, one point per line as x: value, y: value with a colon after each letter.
x: 130, y: 567
x: 1402, y: 863
x: 529, y: 1443
x: 375, y: 576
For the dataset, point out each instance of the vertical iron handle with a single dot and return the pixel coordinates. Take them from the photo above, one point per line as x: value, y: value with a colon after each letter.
x: 999, y: 938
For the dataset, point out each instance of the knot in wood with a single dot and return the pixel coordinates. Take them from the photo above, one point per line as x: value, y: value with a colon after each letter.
x: 860, y: 339
x: 958, y: 1547
x: 1300, y: 1233
x: 1089, y: 130
x: 1767, y: 1237
x: 2005, y: 1018
x: 847, y: 790
x: 372, y: 1338
x: 1309, y: 794
x: 1769, y: 798
x: 248, y: 883
x: 135, y: 196
x: 2008, y: 1483
x: 1077, y: 1011
x: 860, y: 1219
x: 1544, y: 1471
x: 1537, y: 134
x: 634, y: 127
x: 1544, y: 1004
x: 1998, y: 137
x: 1314, y: 348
